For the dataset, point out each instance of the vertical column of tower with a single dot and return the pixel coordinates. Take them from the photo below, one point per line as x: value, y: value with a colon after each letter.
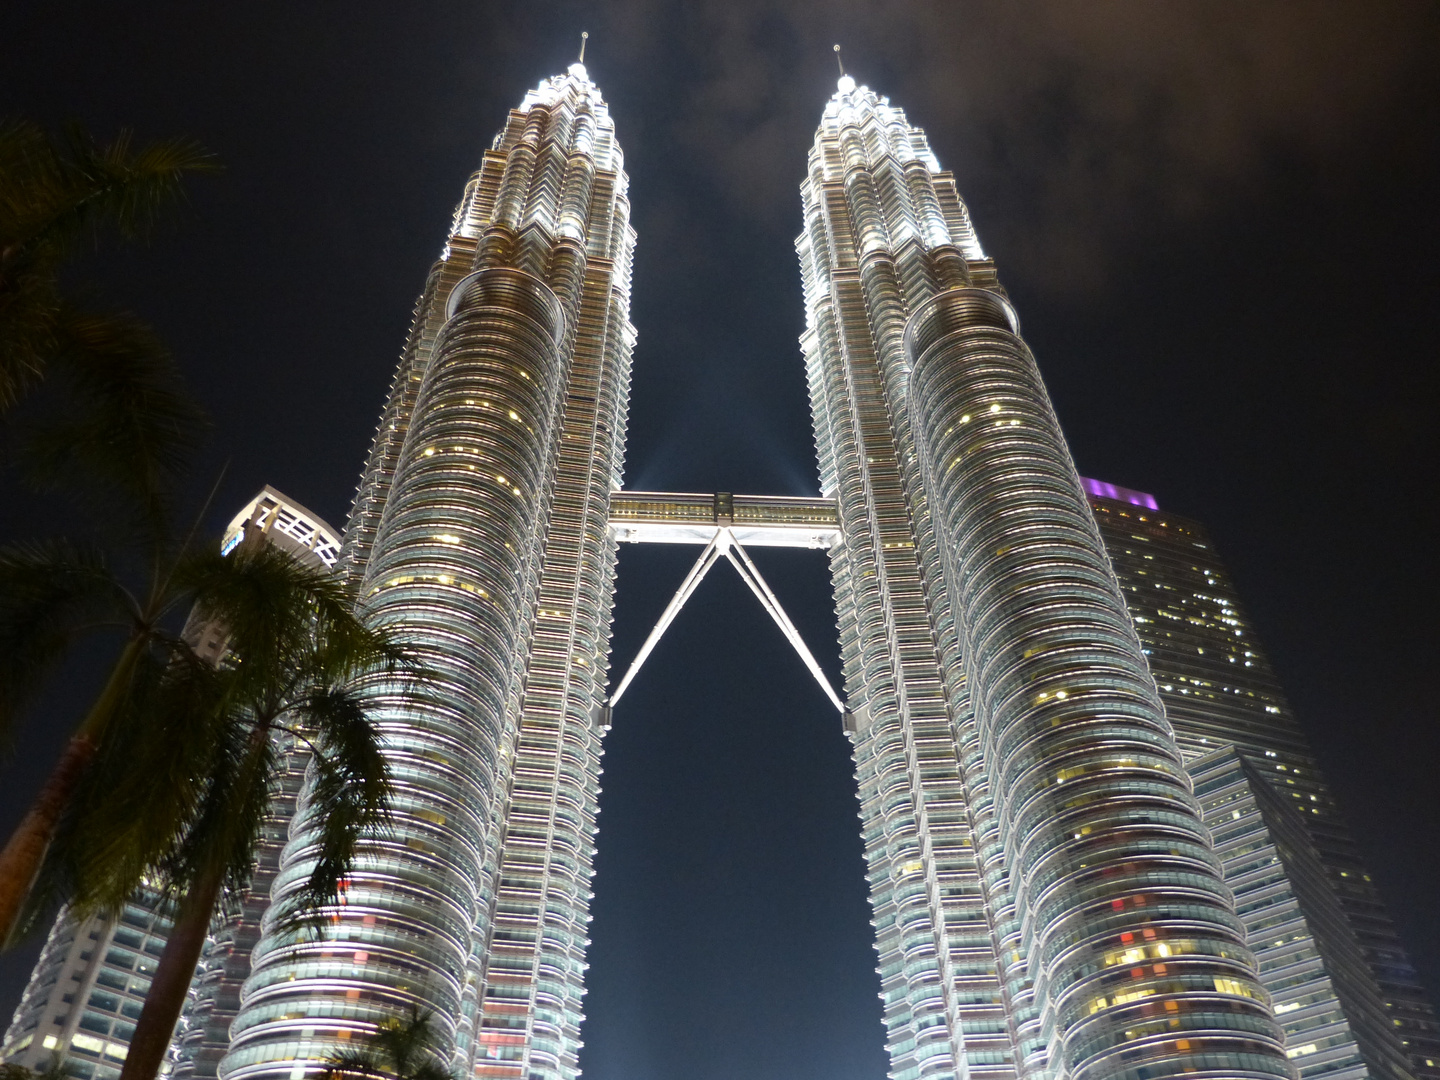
x: 943, y: 1010
x: 532, y: 962
x: 1138, y: 959
x: 448, y: 542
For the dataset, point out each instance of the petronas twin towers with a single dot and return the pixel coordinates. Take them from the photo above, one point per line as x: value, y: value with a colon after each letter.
x: 1048, y: 901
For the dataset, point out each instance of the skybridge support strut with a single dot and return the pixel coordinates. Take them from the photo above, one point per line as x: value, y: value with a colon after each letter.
x: 751, y: 575
x: 723, y: 543
x: 697, y: 573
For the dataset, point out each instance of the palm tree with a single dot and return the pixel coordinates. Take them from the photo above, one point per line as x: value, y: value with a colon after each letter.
x: 52, y: 594
x: 168, y: 776
x: 119, y: 423
x: 402, y: 1048
x: 55, y: 1070
x: 122, y: 426
x: 54, y: 195
x: 114, y: 419
x: 295, y: 656
x: 150, y: 736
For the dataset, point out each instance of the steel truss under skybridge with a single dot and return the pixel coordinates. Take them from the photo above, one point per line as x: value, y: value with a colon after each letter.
x: 725, y: 524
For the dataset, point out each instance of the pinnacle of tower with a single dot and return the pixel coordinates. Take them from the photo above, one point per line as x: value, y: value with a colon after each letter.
x: 577, y: 69
x: 846, y: 84
x: 575, y: 80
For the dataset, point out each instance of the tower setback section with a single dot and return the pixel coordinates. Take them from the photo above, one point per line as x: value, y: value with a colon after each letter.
x: 479, y: 532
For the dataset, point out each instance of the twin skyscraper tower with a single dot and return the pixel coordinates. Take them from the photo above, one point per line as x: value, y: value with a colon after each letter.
x: 1053, y: 895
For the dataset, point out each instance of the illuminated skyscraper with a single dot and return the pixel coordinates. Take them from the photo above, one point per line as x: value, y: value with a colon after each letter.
x: 480, y: 532
x: 1047, y: 902
x: 1343, y: 988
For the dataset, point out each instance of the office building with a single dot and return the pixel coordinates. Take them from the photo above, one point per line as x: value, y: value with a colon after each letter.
x: 1342, y: 986
x: 1047, y: 902
x: 480, y: 533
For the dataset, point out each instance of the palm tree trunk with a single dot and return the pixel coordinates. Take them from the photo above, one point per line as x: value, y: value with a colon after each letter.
x: 24, y: 852
x: 171, y: 982
x: 176, y: 969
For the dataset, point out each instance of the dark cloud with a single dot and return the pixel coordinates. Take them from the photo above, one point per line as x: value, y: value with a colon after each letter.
x: 1091, y: 118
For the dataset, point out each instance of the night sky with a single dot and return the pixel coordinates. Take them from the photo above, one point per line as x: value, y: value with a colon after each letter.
x: 1218, y: 223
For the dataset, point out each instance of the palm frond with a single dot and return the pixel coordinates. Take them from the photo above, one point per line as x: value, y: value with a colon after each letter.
x: 60, y: 192
x: 347, y: 1063
x: 29, y: 167
x: 135, y: 188
x: 49, y: 594
x: 280, y: 614
x: 238, y: 795
x: 53, y: 194
x: 350, y: 786
x: 128, y: 428
x: 264, y: 597
x: 147, y: 790
x: 30, y: 305
x: 403, y: 1047
x: 351, y: 646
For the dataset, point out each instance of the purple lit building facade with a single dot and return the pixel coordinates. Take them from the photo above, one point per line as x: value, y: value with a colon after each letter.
x: 1343, y: 988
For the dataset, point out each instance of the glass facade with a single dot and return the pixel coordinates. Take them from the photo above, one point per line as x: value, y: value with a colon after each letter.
x: 87, y: 990
x: 1344, y: 991
x: 203, y: 1034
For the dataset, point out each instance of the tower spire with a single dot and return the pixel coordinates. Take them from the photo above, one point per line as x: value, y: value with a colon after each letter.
x: 839, y: 61
x: 584, y: 36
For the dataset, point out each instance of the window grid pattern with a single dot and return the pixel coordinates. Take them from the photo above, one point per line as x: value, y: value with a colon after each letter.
x: 479, y: 530
x: 1280, y: 927
x: 1219, y: 691
x: 82, y: 1002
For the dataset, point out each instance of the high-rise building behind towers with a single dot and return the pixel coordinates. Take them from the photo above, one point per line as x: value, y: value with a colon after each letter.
x: 1343, y: 988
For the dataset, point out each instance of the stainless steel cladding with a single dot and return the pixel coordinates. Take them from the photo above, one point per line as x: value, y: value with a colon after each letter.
x: 1138, y: 959
x: 1046, y: 899
x: 480, y: 533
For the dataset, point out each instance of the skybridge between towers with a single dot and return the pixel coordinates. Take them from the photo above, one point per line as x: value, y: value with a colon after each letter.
x: 724, y: 525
